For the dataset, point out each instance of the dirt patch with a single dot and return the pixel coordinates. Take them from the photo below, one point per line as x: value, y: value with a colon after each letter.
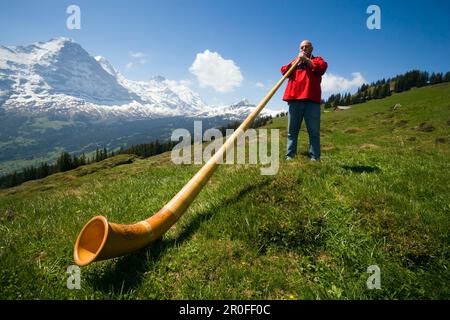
x: 77, y: 193
x: 298, y: 231
x: 368, y: 204
x: 323, y: 257
x: 362, y: 169
x: 40, y: 255
x: 328, y: 148
x: 368, y: 146
x: 287, y: 192
x: 413, y: 247
x: 401, y: 123
x: 9, y: 215
x: 353, y: 130
x: 426, y: 127
x: 442, y: 140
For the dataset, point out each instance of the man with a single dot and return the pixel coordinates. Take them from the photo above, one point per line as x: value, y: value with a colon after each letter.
x: 303, y: 95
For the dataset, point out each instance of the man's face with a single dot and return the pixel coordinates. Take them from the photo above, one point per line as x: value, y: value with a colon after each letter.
x: 306, y: 47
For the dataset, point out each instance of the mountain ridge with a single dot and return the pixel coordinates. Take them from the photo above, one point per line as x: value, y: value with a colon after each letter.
x: 60, y: 77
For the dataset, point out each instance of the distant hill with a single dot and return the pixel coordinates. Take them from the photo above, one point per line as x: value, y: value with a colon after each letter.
x: 385, y: 87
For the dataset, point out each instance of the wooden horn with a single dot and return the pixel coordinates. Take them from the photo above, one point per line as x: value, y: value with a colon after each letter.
x: 100, y: 239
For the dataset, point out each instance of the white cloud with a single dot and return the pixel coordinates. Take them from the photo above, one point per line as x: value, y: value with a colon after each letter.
x: 260, y: 85
x: 129, y: 66
x: 214, y: 71
x: 333, y: 83
x: 137, y: 54
x: 138, y: 58
x: 186, y: 83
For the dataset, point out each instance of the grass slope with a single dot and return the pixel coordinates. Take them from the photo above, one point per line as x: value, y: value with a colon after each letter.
x: 379, y: 197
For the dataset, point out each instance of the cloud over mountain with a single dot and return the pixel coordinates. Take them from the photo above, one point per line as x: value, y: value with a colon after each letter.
x: 214, y: 71
x: 332, y: 83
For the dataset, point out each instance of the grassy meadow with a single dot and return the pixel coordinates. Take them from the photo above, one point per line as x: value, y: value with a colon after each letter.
x: 380, y: 196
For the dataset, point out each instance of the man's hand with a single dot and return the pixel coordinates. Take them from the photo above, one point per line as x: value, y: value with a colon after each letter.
x: 302, y: 55
x: 300, y: 58
x: 304, y: 58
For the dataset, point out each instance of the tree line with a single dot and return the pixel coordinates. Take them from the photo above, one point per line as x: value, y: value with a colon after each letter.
x: 66, y: 161
x: 384, y: 88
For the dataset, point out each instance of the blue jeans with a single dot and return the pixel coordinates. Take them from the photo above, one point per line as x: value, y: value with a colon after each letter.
x: 299, y: 109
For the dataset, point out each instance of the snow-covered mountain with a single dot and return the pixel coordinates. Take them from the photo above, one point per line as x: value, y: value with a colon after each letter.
x: 60, y: 77
x: 235, y: 111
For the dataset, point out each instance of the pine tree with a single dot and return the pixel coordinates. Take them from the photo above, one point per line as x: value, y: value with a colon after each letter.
x: 43, y: 171
x: 15, y: 179
x: 376, y: 92
x: 64, y: 162
x: 446, y: 77
x: 75, y: 162
x: 157, y: 146
x: 82, y: 159
x: 348, y: 99
x: 423, y: 79
x: 433, y: 78
x: 399, y: 85
x: 438, y: 78
x: 387, y: 89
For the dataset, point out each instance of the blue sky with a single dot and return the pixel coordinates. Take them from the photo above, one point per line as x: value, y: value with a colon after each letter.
x: 252, y: 38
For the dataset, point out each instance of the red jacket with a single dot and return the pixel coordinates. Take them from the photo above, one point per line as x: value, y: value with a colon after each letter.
x: 304, y: 82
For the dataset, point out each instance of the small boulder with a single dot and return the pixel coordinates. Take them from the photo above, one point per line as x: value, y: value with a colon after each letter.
x: 397, y: 106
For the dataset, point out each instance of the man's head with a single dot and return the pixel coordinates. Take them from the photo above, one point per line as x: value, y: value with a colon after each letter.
x: 306, y: 47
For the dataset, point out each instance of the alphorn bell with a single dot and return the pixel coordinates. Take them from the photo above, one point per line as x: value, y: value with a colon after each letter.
x: 101, y: 240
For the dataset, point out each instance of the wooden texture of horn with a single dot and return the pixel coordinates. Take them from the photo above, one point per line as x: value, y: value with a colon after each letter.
x: 100, y: 239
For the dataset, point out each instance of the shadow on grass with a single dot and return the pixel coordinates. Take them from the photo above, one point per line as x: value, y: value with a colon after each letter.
x: 361, y: 169
x: 127, y: 273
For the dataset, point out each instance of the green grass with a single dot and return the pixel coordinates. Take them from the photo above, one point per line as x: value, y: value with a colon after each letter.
x: 379, y: 197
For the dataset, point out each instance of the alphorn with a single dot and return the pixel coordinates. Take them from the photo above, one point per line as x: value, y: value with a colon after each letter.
x: 101, y: 240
